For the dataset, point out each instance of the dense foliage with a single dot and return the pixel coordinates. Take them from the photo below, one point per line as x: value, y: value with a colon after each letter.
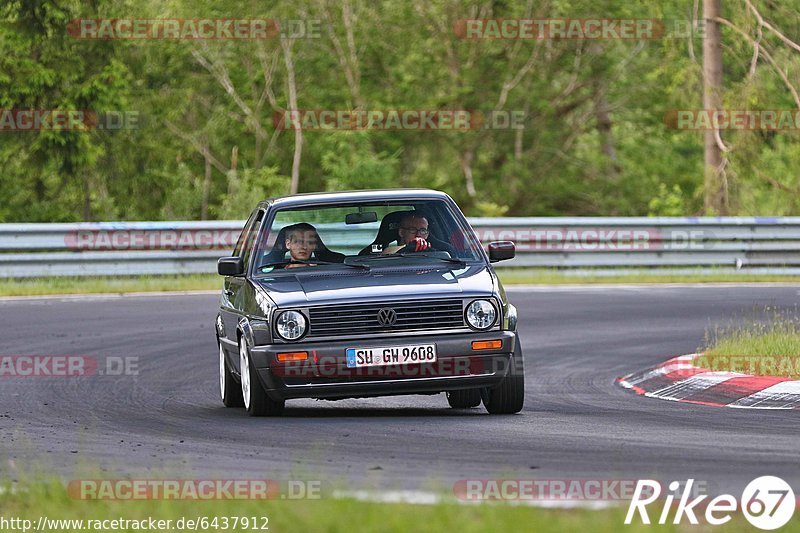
x: 204, y: 144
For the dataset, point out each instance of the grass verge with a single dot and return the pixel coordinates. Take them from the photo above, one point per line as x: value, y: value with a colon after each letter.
x: 52, y: 501
x: 766, y: 347
x: 195, y: 282
x: 107, y: 284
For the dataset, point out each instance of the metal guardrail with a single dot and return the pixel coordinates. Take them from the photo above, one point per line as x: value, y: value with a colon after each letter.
x: 605, y: 245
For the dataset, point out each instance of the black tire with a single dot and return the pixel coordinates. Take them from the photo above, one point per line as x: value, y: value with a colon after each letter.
x: 508, y: 397
x: 229, y: 389
x: 256, y: 400
x: 464, y: 399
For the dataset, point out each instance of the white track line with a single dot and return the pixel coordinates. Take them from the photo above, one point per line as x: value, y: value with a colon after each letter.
x: 543, y: 287
x: 430, y: 498
x: 509, y: 288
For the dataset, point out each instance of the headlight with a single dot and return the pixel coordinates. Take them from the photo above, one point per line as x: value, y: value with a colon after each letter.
x: 291, y: 325
x: 481, y: 314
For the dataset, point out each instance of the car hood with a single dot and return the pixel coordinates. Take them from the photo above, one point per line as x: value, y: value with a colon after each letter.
x: 310, y: 287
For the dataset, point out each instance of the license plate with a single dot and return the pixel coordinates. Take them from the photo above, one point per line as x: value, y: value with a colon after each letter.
x: 391, y: 355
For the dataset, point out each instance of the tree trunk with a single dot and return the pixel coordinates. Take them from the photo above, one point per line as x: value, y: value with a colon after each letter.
x: 604, y: 128
x: 232, y: 174
x: 298, y: 132
x: 466, y: 169
x: 206, y: 189
x: 87, y: 198
x: 715, y: 189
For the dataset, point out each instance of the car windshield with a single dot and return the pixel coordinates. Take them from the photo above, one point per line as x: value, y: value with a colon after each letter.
x: 365, y: 235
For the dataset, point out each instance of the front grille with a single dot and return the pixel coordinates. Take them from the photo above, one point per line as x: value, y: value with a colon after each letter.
x: 359, y: 319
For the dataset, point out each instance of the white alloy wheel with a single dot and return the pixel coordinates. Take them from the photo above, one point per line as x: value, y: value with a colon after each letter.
x: 244, y: 368
x: 222, y: 373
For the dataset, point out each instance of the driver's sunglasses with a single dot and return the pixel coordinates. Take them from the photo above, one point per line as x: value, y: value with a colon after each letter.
x: 422, y: 232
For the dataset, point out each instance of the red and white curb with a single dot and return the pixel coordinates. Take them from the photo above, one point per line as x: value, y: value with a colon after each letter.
x: 680, y: 380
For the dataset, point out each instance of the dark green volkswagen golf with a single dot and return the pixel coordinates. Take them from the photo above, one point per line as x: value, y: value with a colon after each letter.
x: 365, y: 293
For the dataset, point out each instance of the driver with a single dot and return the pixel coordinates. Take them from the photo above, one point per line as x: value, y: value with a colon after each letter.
x: 413, y: 234
x: 301, y: 242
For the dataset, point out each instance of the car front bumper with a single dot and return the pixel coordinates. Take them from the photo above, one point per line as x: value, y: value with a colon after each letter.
x: 325, y: 374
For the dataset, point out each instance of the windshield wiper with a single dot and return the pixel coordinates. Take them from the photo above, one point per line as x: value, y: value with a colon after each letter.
x: 448, y: 259
x: 314, y: 262
x: 410, y: 254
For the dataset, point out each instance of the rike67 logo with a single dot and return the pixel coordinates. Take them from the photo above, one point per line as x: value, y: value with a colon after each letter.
x: 767, y: 502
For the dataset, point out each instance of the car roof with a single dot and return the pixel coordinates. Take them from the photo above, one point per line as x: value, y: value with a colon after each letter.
x: 351, y: 196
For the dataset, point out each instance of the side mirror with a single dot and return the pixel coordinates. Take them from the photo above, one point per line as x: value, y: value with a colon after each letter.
x: 230, y: 266
x: 501, y: 250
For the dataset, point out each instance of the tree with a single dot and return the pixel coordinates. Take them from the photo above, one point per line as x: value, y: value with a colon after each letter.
x: 716, y: 189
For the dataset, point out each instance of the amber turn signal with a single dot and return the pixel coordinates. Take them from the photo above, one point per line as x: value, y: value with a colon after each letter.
x: 487, y: 345
x: 292, y: 356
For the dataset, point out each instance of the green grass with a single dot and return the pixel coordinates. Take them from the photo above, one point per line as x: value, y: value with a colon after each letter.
x: 127, y: 284
x: 767, y: 347
x: 335, y: 515
x: 121, y: 284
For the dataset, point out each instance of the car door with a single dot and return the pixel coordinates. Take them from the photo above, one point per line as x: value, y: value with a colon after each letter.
x: 231, y: 301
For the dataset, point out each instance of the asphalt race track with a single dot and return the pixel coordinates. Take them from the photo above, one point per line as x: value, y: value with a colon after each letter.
x: 168, y: 421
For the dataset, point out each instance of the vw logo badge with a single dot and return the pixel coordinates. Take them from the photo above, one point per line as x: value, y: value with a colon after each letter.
x: 387, y: 317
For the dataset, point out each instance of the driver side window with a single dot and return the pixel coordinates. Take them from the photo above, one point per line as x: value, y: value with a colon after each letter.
x: 250, y: 240
x: 237, y: 249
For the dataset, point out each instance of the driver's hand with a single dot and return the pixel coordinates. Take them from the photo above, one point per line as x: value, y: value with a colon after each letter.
x: 417, y: 245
